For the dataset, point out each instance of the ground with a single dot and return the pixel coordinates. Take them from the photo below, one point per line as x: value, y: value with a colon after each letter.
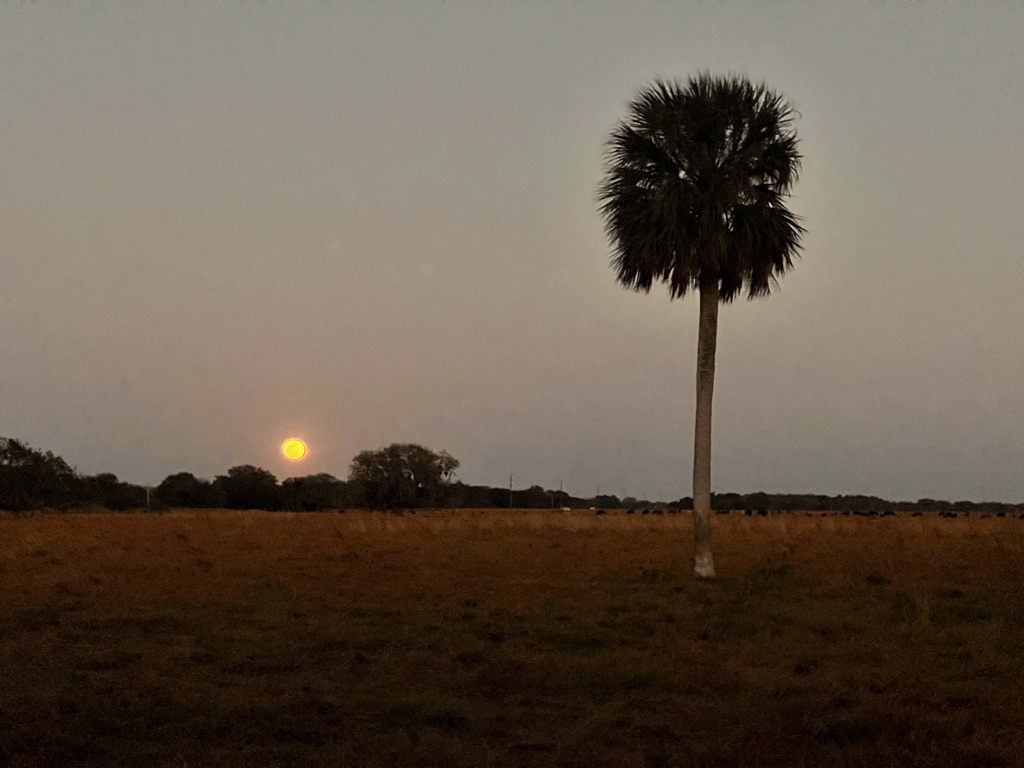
x: 509, y: 638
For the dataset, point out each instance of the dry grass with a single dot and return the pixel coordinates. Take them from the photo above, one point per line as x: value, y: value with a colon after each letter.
x: 509, y: 638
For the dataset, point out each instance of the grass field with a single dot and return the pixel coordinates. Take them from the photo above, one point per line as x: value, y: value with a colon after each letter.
x: 508, y: 638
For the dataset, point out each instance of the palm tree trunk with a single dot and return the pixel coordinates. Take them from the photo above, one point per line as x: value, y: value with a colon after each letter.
x: 707, y: 336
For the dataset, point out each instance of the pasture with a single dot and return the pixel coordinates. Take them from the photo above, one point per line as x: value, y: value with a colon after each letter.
x: 509, y: 638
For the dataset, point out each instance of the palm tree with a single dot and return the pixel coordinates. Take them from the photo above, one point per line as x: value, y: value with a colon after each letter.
x: 694, y: 195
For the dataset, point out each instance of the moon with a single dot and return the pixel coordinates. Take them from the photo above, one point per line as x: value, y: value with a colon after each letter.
x: 293, y: 449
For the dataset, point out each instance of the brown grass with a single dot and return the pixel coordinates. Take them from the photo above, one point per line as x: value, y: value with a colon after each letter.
x: 509, y: 638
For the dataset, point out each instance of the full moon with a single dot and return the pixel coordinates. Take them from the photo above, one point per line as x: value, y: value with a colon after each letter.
x: 293, y: 449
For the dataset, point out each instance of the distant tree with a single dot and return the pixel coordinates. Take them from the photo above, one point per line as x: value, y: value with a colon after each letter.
x: 102, y: 486
x: 249, y: 487
x: 534, y: 497
x: 403, y: 475
x: 314, y: 493
x: 31, y: 479
x: 458, y: 495
x: 562, y: 499
x: 184, y: 490
x: 694, y: 196
x: 109, y: 492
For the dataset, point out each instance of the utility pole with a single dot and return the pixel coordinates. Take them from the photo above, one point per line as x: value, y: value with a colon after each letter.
x: 510, y: 491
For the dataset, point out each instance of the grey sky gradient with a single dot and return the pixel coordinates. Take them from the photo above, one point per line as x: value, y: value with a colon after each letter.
x: 222, y: 224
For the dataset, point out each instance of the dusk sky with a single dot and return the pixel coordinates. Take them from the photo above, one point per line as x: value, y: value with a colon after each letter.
x: 224, y: 224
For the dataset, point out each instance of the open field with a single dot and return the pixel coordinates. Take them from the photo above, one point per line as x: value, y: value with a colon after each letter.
x: 509, y: 638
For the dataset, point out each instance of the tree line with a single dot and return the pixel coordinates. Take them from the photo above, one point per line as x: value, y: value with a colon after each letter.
x: 400, y: 476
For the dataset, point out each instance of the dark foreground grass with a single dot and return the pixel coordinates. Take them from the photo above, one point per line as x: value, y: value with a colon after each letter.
x: 624, y: 660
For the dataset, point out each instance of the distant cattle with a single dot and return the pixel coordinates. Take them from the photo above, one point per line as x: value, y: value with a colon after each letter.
x: 762, y: 512
x: 916, y: 514
x: 646, y: 512
x: 599, y: 512
x: 630, y: 511
x: 748, y: 512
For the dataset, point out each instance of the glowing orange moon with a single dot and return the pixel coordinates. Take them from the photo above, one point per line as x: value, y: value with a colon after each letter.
x: 293, y: 449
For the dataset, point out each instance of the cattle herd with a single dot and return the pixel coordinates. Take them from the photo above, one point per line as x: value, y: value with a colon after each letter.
x: 836, y: 513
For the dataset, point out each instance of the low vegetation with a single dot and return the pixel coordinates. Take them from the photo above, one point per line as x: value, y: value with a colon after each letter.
x: 509, y: 638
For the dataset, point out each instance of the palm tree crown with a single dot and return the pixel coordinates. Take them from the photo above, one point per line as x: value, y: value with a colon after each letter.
x: 694, y: 190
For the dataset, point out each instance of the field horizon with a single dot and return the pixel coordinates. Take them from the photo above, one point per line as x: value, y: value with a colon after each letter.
x: 509, y: 637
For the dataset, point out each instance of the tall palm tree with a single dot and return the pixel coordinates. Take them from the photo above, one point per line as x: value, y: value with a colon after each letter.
x: 693, y: 195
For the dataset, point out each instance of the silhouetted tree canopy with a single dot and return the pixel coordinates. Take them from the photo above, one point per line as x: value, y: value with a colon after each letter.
x: 403, y: 475
x: 399, y: 476
x: 249, y: 487
x: 315, y: 493
x: 107, y: 491
x: 31, y: 479
x: 185, y: 490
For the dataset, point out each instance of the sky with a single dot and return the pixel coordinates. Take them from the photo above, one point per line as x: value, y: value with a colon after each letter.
x: 224, y: 224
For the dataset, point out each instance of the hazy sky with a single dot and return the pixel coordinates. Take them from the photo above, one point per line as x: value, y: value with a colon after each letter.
x: 223, y: 224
